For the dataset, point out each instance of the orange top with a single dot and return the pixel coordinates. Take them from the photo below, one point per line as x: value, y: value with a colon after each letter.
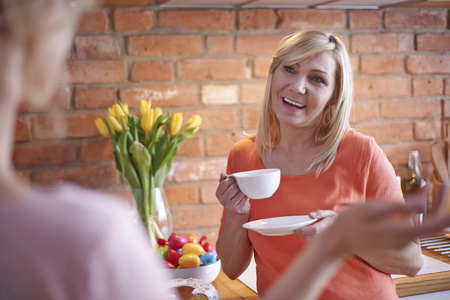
x: 360, y: 172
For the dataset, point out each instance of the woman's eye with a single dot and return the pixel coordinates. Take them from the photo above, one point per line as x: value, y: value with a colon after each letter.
x: 289, y: 69
x: 317, y: 79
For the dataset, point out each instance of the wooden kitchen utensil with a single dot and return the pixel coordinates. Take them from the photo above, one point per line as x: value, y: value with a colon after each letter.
x: 439, y: 160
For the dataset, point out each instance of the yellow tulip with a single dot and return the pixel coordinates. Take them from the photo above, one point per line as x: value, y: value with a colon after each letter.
x: 125, y: 108
x: 194, y: 122
x: 156, y: 113
x: 145, y: 105
x: 113, y: 123
x: 119, y: 112
x: 147, y: 120
x: 175, y: 124
x: 101, y: 127
x: 111, y: 111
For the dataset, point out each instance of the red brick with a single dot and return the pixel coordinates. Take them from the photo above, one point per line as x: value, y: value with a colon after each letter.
x: 89, y: 72
x: 398, y: 153
x: 31, y: 156
x: 409, y: 109
x: 210, y: 19
x: 94, y: 21
x: 132, y: 20
x: 427, y: 86
x: 182, y: 194
x: 381, y: 87
x: 196, y: 216
x: 64, y: 126
x: 447, y: 86
x: 150, y: 71
x: 428, y: 64
x: 213, y: 68
x: 22, y: 132
x: 224, y: 118
x: 196, y: 170
x: 97, y: 150
x: 253, y: 93
x: 446, y: 108
x: 258, y: 44
x: 161, y: 95
x: 60, y: 100
x: 221, y: 143
x: 261, y: 67
x: 218, y: 44
x: 192, y: 147
x: 94, y: 98
x: 310, y: 18
x: 364, y: 112
x: 382, y: 42
x: 220, y: 94
x: 208, y: 192
x: 164, y: 45
x: 388, y: 132
x: 96, y: 47
x: 253, y: 19
x: 365, y: 19
x: 427, y: 130
x: 88, y: 176
x: 250, y: 117
x: 415, y: 18
x: 375, y: 64
x: 354, y: 62
x: 433, y: 42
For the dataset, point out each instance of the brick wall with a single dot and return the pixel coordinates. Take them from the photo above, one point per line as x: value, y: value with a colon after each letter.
x: 213, y: 62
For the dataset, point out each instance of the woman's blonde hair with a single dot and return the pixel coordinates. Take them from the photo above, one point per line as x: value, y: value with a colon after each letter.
x: 299, y: 47
x: 25, y: 22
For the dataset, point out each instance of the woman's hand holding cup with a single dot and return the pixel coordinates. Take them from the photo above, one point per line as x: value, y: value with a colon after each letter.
x: 231, y: 197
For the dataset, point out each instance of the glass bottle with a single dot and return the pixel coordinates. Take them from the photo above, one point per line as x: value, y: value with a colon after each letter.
x: 415, y: 185
x: 414, y: 182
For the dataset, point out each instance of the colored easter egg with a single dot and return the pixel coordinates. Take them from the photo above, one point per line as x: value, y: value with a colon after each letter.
x: 189, y: 260
x: 193, y: 248
x: 208, y: 258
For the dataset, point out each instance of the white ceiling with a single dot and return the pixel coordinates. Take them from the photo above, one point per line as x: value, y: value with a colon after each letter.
x: 346, y: 4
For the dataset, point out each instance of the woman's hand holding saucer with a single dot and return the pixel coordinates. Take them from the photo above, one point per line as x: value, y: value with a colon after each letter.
x: 326, y: 218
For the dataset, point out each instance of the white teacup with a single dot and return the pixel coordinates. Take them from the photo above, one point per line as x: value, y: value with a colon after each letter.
x: 258, y: 184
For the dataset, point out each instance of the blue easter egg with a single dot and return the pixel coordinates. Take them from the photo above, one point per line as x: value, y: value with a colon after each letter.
x: 208, y: 258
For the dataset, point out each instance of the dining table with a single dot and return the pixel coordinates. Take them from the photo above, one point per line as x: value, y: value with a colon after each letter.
x: 406, y: 286
x: 232, y: 289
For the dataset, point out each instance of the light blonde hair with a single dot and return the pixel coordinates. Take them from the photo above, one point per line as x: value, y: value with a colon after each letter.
x: 24, y: 21
x: 299, y: 47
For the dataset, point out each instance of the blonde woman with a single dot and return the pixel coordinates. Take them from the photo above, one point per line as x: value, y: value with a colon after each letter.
x: 65, y: 242
x: 325, y: 166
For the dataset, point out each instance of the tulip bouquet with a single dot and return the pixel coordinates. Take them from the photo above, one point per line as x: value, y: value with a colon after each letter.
x: 144, y: 148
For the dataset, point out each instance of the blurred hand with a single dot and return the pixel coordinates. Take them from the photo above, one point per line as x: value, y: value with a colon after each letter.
x: 326, y: 218
x: 230, y: 196
x: 379, y: 226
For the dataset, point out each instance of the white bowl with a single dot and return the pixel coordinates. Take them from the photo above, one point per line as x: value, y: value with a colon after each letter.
x: 207, y: 273
x: 258, y: 184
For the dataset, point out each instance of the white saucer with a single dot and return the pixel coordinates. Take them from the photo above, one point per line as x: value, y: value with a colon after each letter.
x: 279, y: 226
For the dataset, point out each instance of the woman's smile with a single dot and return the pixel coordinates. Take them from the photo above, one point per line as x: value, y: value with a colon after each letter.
x: 293, y: 104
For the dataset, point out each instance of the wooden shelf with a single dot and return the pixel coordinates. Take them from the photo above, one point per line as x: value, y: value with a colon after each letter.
x: 127, y: 3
